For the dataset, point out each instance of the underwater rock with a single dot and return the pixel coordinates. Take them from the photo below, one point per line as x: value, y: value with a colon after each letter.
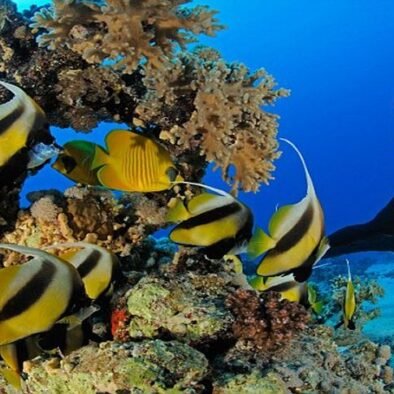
x: 145, y: 367
x: 252, y: 383
x: 181, y: 307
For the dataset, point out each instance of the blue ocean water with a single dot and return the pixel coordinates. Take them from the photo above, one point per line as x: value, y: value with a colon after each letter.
x: 337, y: 59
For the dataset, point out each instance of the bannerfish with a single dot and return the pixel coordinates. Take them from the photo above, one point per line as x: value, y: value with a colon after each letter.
x: 287, y: 286
x: 349, y: 302
x: 218, y: 223
x: 296, y: 238
x: 132, y: 162
x: 75, y: 162
x: 36, y: 294
x: 97, y: 267
x: 19, y: 118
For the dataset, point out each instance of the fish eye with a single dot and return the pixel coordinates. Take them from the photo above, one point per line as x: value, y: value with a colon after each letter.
x: 172, y: 173
x: 69, y: 163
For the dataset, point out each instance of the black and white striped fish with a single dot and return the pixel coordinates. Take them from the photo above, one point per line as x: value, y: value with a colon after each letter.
x: 20, y: 117
x: 218, y: 223
x: 36, y: 294
x: 296, y: 238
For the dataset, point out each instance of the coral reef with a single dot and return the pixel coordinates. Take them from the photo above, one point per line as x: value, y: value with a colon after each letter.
x: 264, y: 323
x: 89, y: 214
x: 125, y: 32
x: 149, y: 366
x: 178, y: 306
x: 204, y: 108
x: 226, y: 124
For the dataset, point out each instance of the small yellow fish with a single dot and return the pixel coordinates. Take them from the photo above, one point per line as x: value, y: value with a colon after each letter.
x: 349, y: 302
x: 19, y: 118
x: 97, y: 267
x: 75, y: 162
x: 132, y: 162
x: 218, y: 223
x: 287, y: 286
x: 296, y: 236
x: 36, y: 294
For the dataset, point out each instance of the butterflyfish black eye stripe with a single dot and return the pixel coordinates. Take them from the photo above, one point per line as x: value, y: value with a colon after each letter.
x: 30, y: 293
x: 12, y: 117
x: 89, y: 263
x: 210, y: 216
x: 296, y: 233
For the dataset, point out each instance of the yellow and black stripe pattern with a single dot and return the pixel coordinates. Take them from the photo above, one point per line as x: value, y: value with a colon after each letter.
x: 219, y: 224
x: 36, y: 294
x: 97, y: 267
x: 19, y: 118
x: 296, y: 236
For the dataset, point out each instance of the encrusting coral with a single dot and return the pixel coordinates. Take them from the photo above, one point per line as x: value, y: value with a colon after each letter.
x: 146, y: 367
x: 89, y: 214
x: 123, y: 31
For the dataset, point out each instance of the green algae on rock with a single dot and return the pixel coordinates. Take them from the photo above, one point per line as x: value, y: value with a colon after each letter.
x: 177, y: 307
x: 146, y: 367
x: 252, y: 383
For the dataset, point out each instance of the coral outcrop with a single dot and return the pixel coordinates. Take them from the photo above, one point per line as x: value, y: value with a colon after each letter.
x: 205, y: 109
x: 146, y: 367
x: 124, y: 32
x: 264, y: 323
x: 89, y: 214
x: 178, y: 307
x: 227, y: 125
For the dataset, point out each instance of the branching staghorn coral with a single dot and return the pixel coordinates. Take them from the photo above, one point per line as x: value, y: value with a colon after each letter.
x: 123, y: 31
x: 227, y: 124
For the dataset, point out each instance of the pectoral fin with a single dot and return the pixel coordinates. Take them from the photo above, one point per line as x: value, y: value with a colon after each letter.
x: 259, y: 244
x: 109, y: 177
x: 177, y: 212
x: 12, y: 377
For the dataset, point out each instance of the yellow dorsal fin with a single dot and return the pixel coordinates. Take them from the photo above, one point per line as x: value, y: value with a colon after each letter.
x: 120, y: 140
x: 205, y: 202
x: 259, y: 243
x: 177, y: 211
